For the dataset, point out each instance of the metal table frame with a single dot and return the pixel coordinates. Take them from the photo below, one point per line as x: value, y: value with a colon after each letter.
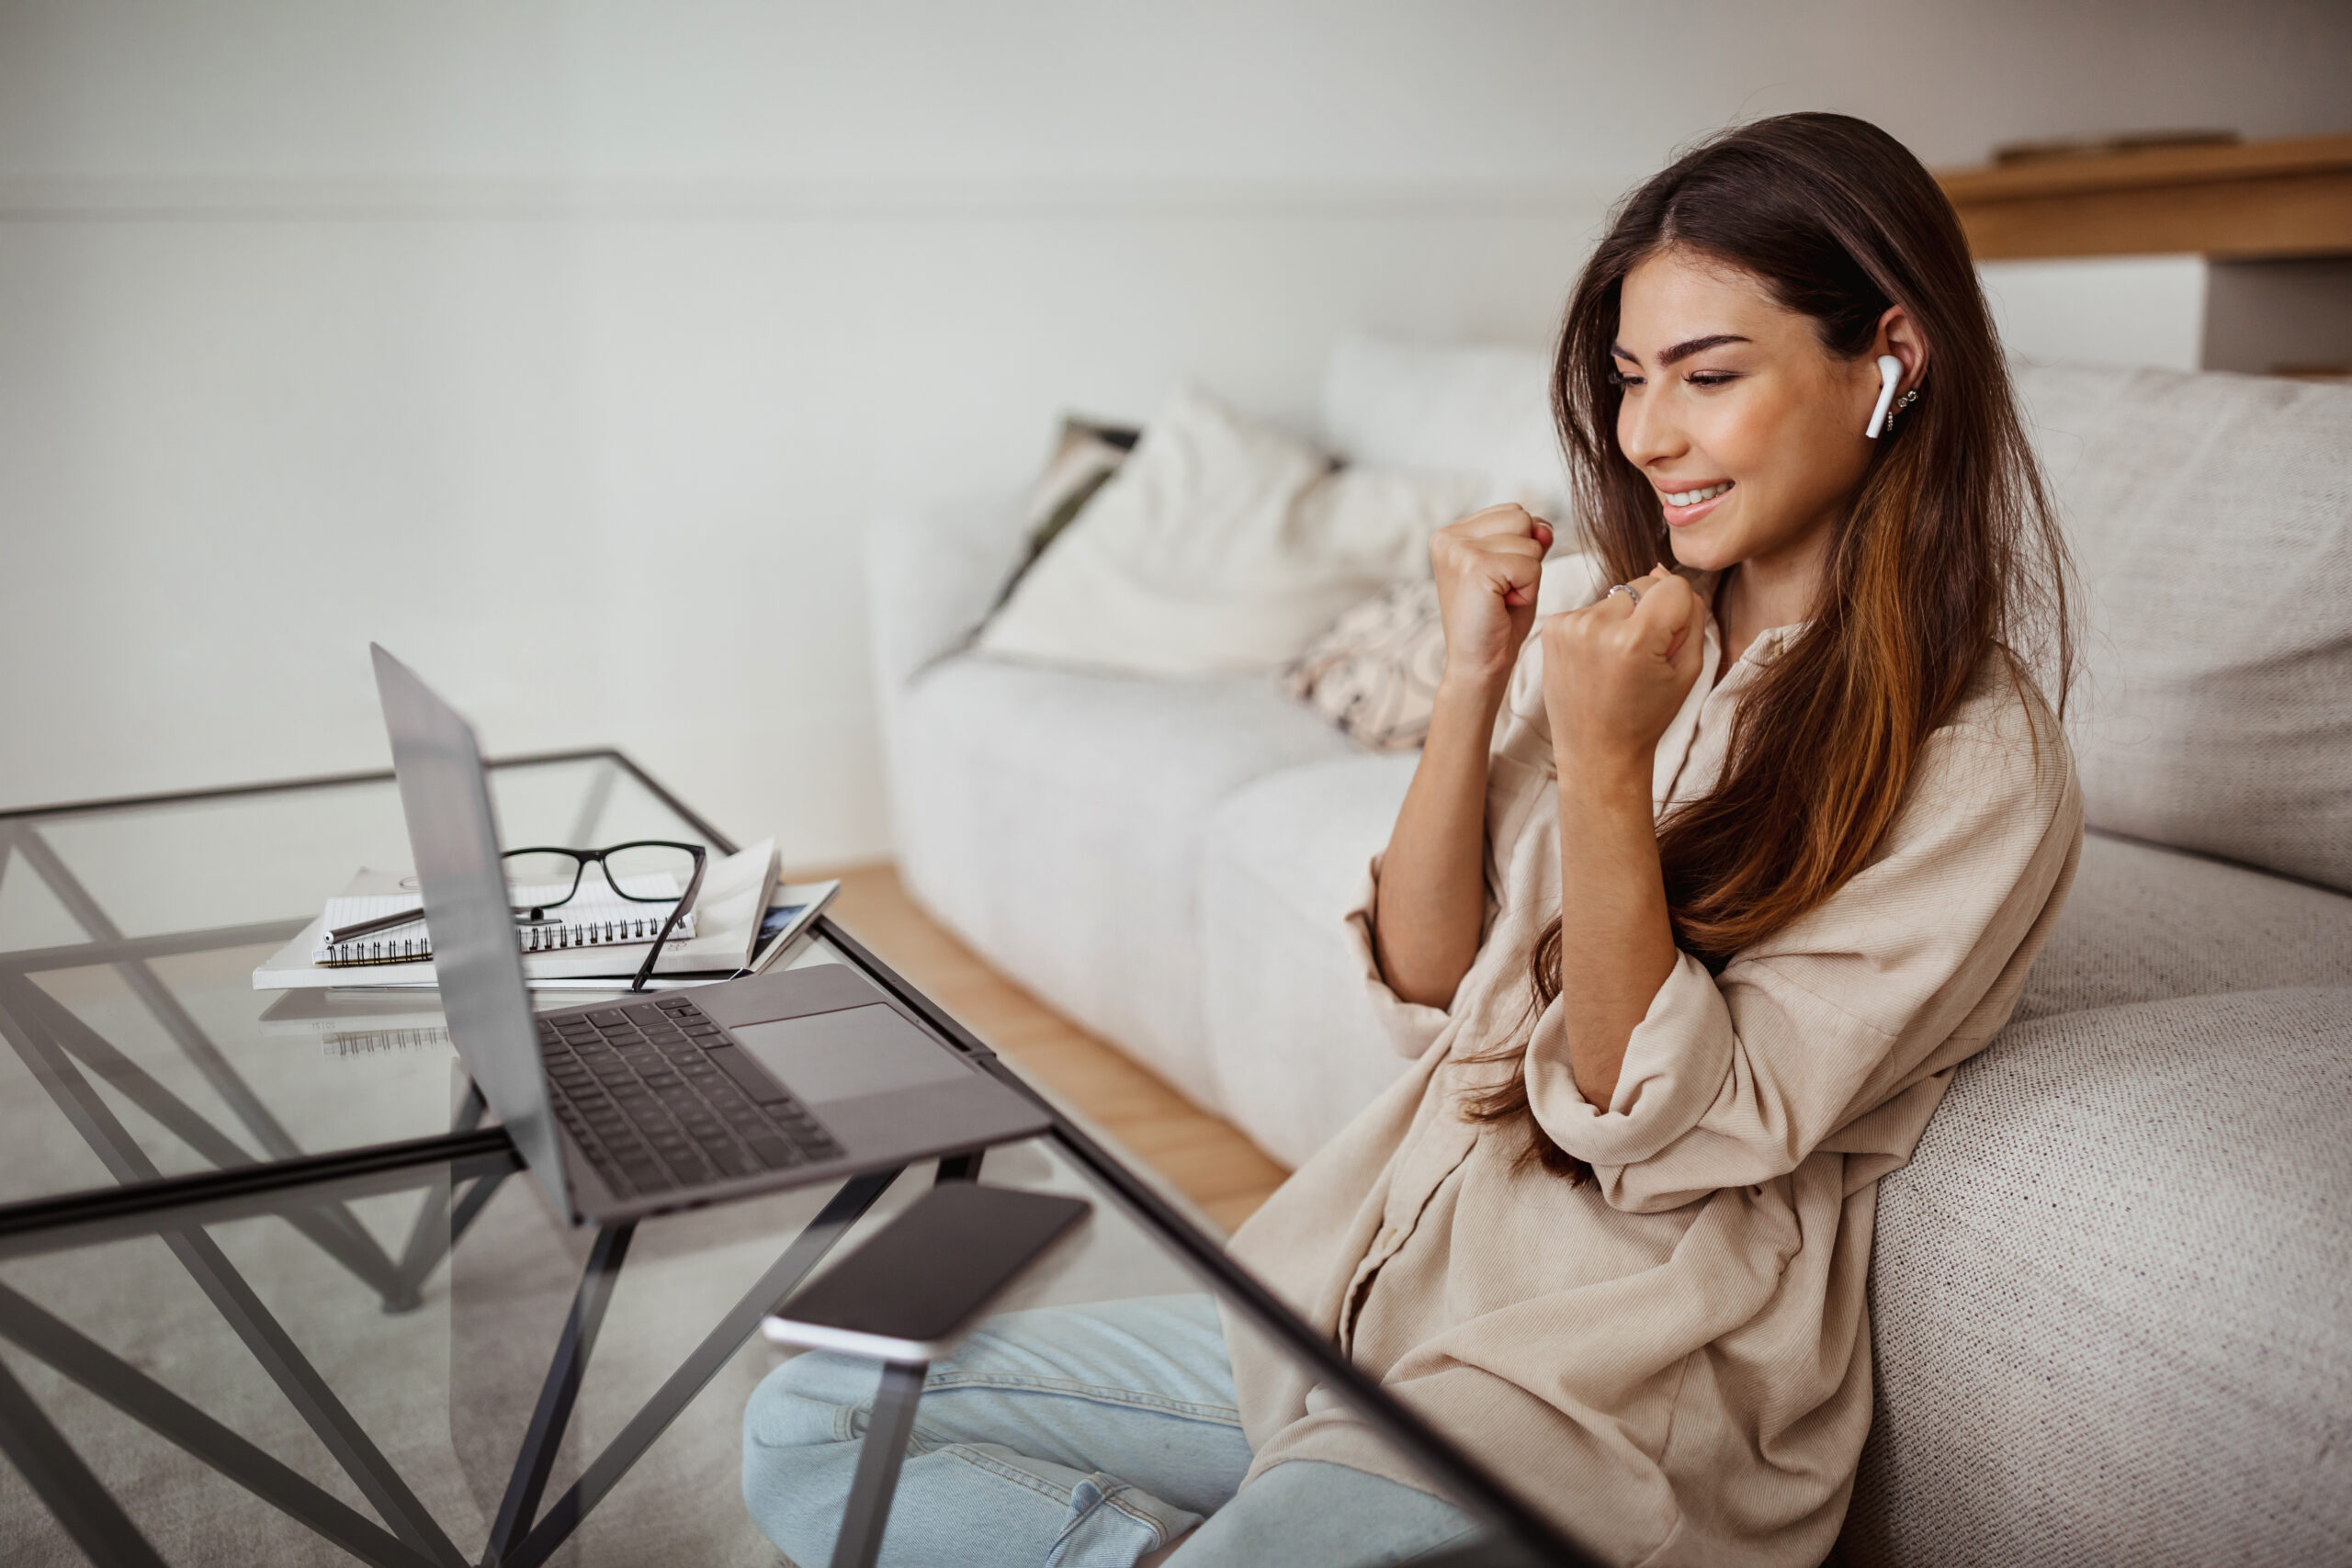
x: 310, y: 1192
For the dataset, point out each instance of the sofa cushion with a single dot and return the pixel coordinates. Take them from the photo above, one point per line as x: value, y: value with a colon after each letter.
x: 1484, y: 409
x: 2212, y: 516
x: 1296, y: 1049
x: 1083, y: 461
x: 1220, y: 548
x: 2143, y: 923
x: 1053, y: 820
x: 2107, y: 1297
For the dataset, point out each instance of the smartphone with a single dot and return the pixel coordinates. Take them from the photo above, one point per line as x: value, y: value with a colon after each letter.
x: 915, y: 1287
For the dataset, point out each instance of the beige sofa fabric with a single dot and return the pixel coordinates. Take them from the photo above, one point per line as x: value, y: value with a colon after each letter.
x: 2212, y: 516
x: 2109, y: 1297
x: 2144, y: 923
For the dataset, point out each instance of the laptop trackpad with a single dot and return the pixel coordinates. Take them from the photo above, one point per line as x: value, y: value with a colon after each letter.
x: 842, y: 1055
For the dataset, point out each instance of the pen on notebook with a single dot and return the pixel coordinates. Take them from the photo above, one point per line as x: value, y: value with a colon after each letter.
x: 369, y: 928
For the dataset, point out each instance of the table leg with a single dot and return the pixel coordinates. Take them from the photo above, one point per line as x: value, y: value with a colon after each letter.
x: 173, y: 1418
x: 333, y: 1228
x: 605, y: 1472
x: 560, y: 1392
x: 239, y: 1306
x: 150, y: 989
x: 867, y: 1513
x: 329, y: 1226
x: 82, y: 1504
x: 477, y: 1196
x: 429, y: 1239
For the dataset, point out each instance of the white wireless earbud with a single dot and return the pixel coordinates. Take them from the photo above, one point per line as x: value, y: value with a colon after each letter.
x: 1890, y: 371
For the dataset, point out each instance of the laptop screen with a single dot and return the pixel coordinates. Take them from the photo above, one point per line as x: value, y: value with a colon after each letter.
x: 445, y: 795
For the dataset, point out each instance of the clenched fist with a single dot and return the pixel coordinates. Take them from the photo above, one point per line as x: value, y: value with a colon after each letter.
x: 1616, y: 672
x: 1487, y: 568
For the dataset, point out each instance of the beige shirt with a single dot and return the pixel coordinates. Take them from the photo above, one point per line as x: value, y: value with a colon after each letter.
x: 1672, y: 1361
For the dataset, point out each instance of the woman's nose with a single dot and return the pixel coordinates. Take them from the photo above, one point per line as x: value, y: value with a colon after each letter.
x: 1647, y: 432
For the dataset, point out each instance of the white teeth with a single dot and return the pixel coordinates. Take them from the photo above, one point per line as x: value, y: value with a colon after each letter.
x: 1693, y: 497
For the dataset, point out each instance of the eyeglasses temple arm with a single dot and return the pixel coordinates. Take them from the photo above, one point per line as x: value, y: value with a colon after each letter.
x: 677, y: 911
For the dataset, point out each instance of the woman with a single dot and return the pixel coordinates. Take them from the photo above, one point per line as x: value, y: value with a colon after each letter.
x: 1699, y: 895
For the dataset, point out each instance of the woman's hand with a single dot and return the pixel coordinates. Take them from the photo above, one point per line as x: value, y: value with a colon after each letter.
x: 1488, y: 567
x: 1616, y: 672
x: 1431, y: 904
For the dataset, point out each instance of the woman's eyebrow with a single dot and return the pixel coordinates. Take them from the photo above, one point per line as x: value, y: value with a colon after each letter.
x: 1695, y: 345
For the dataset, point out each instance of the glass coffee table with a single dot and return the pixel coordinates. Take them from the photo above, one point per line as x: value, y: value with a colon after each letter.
x: 274, y: 1290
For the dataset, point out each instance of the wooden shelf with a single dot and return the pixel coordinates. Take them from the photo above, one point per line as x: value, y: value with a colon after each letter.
x: 2290, y: 198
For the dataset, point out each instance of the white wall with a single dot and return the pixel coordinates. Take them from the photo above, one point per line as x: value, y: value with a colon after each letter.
x: 564, y: 348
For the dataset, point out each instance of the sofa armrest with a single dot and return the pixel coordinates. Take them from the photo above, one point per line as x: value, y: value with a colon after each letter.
x: 931, y: 573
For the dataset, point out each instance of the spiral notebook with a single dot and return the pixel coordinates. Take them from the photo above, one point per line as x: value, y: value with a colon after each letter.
x: 594, y: 916
x: 725, y: 926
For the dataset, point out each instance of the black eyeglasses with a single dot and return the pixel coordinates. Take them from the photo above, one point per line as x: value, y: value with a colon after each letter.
x: 643, y: 871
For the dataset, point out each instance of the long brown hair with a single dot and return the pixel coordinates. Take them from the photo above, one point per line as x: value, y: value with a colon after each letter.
x: 1947, y: 551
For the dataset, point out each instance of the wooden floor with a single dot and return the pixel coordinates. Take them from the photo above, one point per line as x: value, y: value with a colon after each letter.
x: 1200, y: 1154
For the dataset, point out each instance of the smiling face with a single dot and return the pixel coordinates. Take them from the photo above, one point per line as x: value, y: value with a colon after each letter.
x: 1748, y: 429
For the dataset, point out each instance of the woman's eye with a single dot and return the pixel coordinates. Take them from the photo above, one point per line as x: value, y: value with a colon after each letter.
x: 1619, y: 378
x: 1711, y: 377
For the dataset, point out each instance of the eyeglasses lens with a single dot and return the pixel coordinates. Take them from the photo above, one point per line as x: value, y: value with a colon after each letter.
x: 653, y: 874
x: 535, y: 878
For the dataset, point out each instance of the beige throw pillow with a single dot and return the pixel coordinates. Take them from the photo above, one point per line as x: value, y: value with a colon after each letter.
x: 1221, y: 546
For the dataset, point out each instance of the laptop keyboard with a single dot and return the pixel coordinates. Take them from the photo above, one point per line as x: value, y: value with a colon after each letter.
x: 658, y: 1098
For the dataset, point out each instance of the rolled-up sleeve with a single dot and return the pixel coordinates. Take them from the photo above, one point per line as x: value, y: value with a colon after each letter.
x: 1734, y: 1078
x: 1411, y: 1028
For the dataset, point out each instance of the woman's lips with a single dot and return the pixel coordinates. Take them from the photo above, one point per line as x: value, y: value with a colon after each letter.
x: 1681, y: 516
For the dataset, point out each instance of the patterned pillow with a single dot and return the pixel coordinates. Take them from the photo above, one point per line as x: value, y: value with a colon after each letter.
x: 1373, y: 674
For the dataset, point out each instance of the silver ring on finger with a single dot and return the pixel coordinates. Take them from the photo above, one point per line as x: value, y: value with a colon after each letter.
x: 1628, y: 590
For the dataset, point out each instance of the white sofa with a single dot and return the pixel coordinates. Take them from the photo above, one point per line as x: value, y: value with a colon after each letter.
x: 2111, y: 1293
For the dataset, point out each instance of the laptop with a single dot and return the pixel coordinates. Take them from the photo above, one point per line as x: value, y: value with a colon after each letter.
x: 646, y: 1102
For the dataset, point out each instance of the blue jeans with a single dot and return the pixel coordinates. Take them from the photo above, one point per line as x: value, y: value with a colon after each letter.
x: 1070, y: 1437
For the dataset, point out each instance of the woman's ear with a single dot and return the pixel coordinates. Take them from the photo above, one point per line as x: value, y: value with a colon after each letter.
x: 1899, y: 336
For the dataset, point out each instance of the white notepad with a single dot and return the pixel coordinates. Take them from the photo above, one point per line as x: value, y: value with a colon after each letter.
x: 591, y: 917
